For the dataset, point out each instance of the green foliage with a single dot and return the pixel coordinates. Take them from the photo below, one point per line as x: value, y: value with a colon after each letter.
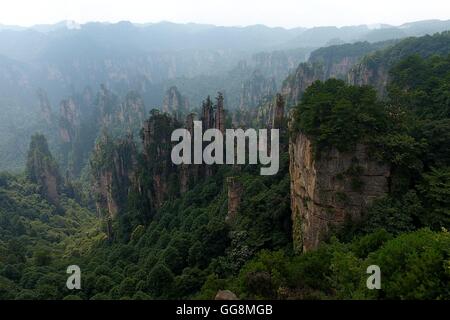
x: 336, y: 53
x: 160, y: 280
x: 435, y: 189
x: 426, y: 46
x: 393, y: 214
x: 35, y: 239
x: 337, y: 115
x: 422, y: 85
x: 263, y: 276
x: 413, y: 266
x: 42, y: 257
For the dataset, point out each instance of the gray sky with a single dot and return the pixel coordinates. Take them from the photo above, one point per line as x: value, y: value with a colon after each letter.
x: 285, y: 13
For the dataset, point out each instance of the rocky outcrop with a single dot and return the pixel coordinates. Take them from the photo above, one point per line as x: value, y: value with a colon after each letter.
x: 175, y: 104
x: 366, y: 73
x: 271, y: 113
x: 42, y: 169
x: 132, y: 112
x: 213, y: 116
x: 207, y: 116
x: 296, y: 83
x: 235, y: 190
x: 278, y: 112
x: 225, y: 295
x: 69, y: 120
x: 113, y: 168
x: 189, y: 174
x: 164, y: 178
x: 107, y: 104
x: 156, y: 138
x: 84, y: 117
x: 329, y: 62
x: 330, y: 188
x: 154, y: 179
x: 220, y: 114
x: 278, y: 64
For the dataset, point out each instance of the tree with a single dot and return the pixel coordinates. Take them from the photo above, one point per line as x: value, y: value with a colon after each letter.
x: 127, y: 287
x: 42, y: 257
x: 160, y: 280
x: 435, y: 189
x: 104, y: 284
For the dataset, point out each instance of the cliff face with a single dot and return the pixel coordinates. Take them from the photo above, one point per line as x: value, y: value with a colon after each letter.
x: 235, y: 190
x: 365, y: 74
x: 326, y: 191
x: 108, y: 105
x: 271, y: 113
x: 307, y: 73
x: 256, y: 89
x: 113, y: 167
x: 84, y: 116
x: 157, y: 154
x: 131, y: 114
x: 329, y: 62
x: 296, y: 83
x: 45, y: 107
x: 69, y: 120
x: 278, y: 64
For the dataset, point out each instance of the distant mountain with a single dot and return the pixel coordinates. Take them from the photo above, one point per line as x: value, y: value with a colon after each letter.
x: 320, y: 36
x: 10, y: 27
x: 425, y: 27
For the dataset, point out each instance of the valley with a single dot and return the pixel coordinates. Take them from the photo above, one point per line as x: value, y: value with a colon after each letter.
x: 362, y: 121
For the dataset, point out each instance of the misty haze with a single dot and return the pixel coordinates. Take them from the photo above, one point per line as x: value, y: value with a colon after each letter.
x: 356, y: 108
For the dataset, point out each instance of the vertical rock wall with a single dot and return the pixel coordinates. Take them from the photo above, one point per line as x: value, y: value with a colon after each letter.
x: 235, y: 190
x: 327, y: 190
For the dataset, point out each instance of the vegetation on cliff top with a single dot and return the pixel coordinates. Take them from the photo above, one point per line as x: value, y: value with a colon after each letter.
x: 338, y: 115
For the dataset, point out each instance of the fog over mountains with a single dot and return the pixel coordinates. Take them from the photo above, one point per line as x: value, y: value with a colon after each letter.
x: 359, y: 122
x: 65, y: 59
x: 62, y: 54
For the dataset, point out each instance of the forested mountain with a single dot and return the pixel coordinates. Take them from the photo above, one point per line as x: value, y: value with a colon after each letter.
x: 374, y: 68
x: 361, y: 63
x: 364, y: 163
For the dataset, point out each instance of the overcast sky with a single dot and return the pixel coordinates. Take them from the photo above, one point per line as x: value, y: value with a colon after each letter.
x: 285, y: 13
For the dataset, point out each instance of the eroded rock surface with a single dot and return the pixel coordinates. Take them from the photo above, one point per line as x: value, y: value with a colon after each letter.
x: 327, y: 190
